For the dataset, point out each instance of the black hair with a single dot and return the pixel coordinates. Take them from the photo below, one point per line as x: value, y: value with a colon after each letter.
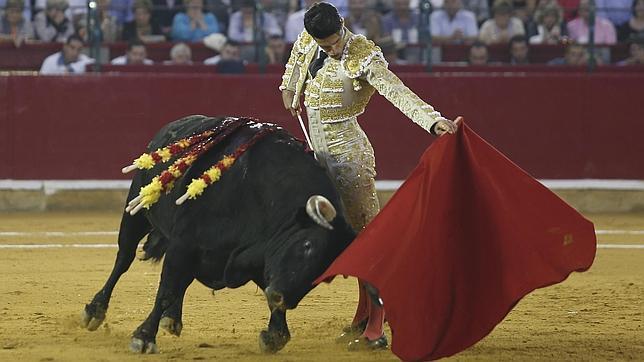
x: 518, y: 39
x: 478, y: 44
x: 135, y: 42
x: 322, y: 20
x: 75, y: 37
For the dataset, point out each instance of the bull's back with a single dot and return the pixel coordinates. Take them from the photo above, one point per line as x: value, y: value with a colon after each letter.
x: 182, y: 128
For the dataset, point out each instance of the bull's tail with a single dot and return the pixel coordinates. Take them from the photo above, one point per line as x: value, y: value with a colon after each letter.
x: 155, y: 246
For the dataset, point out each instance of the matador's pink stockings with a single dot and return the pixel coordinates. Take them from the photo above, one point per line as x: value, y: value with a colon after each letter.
x: 374, y: 314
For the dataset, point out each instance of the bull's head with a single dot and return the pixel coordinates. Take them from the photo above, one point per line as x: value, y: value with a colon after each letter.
x: 308, y: 245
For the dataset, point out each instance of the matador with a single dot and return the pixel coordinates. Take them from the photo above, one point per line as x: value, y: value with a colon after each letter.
x: 337, y: 72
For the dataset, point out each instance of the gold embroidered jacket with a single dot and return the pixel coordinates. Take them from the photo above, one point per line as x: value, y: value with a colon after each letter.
x: 342, y: 88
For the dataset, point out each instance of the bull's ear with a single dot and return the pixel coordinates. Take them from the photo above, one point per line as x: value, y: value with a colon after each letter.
x: 241, y: 266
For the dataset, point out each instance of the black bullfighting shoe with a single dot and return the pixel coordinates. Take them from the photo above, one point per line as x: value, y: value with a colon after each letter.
x: 351, y: 332
x: 364, y: 344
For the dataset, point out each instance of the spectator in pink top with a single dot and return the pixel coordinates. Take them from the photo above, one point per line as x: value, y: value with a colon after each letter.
x: 578, y: 28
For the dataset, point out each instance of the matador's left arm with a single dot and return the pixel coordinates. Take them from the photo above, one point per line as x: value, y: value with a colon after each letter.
x: 396, y: 92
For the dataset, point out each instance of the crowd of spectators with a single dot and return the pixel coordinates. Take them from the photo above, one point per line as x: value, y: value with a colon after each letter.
x: 396, y: 25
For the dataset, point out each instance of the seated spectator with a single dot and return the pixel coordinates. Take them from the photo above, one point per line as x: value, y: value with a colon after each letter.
x: 401, y: 23
x: 478, y: 54
x: 276, y: 8
x: 52, y: 25
x: 110, y: 29
x: 164, y: 11
x: 143, y: 26
x: 295, y: 23
x: 276, y: 50
x: 242, y: 23
x: 635, y: 26
x: 362, y: 20
x: 220, y: 9
x: 227, y: 49
x: 575, y: 54
x: 121, y: 11
x: 616, y: 11
x: 13, y: 27
x: 136, y: 54
x: 180, y: 54
x: 636, y: 53
x: 548, y: 25
x: 480, y: 8
x: 229, y: 60
x: 570, y: 8
x: 215, y: 42
x: 390, y: 50
x: 75, y: 8
x: 453, y: 24
x: 69, y: 60
x: 503, y: 26
x: 519, y: 50
x: 80, y: 24
x: 523, y: 12
x: 194, y: 24
x: 578, y: 27
x: 26, y: 12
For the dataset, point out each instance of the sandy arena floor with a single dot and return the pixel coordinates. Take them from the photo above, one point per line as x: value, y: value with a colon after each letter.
x: 597, y: 315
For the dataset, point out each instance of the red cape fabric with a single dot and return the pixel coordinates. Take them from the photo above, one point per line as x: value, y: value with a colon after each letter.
x: 465, y: 237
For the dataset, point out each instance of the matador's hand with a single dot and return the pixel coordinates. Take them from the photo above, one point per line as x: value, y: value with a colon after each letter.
x: 447, y: 126
x: 287, y: 98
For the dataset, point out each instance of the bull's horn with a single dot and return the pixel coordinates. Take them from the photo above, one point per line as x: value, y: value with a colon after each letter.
x: 321, y: 211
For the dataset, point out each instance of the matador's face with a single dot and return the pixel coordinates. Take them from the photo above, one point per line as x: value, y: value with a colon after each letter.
x: 333, y: 45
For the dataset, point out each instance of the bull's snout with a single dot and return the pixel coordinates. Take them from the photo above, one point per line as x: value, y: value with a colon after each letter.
x: 275, y: 299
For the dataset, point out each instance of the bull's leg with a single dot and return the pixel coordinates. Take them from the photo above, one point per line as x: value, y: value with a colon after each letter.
x: 277, y: 335
x: 171, y: 318
x: 176, y: 276
x: 132, y: 230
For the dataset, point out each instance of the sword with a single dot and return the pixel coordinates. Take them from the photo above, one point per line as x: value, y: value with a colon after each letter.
x: 306, y: 134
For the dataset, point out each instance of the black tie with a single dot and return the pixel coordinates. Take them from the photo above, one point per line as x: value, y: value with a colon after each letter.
x: 317, y: 63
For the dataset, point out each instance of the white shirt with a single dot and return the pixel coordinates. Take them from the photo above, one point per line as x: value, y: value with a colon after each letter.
x: 294, y: 26
x: 54, y: 64
x: 75, y: 7
x: 464, y: 20
x: 122, y: 60
x: 212, y: 60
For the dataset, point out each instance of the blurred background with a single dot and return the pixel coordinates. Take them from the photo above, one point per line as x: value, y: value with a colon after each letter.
x: 556, y: 85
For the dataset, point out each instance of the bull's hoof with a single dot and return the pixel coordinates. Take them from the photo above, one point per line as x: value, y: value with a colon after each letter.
x: 171, y: 326
x: 92, y: 316
x: 272, y: 342
x: 140, y: 346
x: 364, y: 344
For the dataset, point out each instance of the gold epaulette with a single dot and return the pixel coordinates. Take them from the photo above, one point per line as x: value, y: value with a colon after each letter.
x: 304, y: 43
x: 358, y: 53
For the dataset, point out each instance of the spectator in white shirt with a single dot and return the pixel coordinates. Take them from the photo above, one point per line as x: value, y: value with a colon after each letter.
x: 503, y: 26
x: 69, y: 60
x: 242, y: 23
x: 453, y: 24
x: 295, y: 23
x: 136, y: 54
x: 52, y: 25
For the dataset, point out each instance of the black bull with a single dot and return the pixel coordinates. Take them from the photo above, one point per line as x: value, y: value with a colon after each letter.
x: 255, y: 224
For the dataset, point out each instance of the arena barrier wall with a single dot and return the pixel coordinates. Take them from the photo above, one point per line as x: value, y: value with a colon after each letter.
x: 555, y: 126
